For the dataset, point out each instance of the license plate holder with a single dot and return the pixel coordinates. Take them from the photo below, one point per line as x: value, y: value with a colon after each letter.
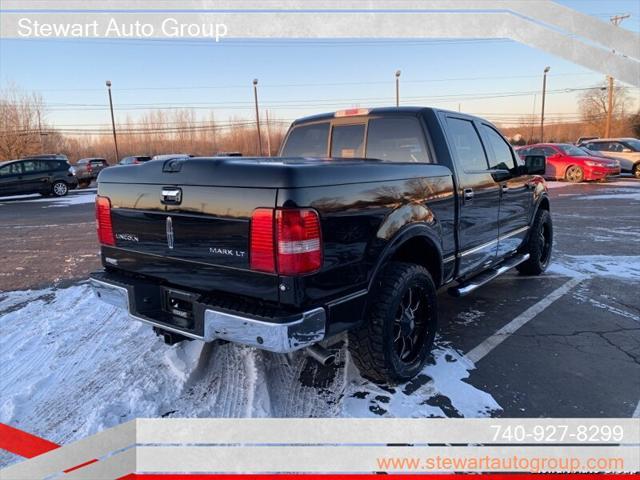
x: 180, y: 307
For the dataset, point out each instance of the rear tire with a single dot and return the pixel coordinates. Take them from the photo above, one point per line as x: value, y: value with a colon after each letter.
x: 59, y: 188
x: 574, y: 174
x: 636, y: 171
x: 394, y: 342
x: 539, y: 245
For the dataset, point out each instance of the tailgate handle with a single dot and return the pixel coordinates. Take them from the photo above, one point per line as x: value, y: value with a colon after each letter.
x: 171, y: 196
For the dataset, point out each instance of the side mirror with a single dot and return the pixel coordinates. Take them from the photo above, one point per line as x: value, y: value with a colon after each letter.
x: 535, y: 164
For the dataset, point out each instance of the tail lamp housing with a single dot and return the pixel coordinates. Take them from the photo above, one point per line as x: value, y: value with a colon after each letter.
x: 103, y: 221
x: 286, y: 241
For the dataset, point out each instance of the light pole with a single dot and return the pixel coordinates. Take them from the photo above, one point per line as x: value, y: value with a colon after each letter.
x: 255, y: 96
x: 113, y: 121
x: 544, y: 92
x: 398, y: 72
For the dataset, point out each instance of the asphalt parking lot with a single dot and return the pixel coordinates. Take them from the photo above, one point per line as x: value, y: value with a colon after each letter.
x: 566, y: 344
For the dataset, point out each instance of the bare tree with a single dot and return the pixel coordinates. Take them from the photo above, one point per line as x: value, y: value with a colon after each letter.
x: 594, y: 107
x: 21, y: 123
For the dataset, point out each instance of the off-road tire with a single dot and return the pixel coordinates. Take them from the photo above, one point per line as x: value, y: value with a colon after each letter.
x: 372, y: 344
x: 539, y: 255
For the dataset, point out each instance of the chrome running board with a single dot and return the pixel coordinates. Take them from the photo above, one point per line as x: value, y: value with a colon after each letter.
x: 470, y: 285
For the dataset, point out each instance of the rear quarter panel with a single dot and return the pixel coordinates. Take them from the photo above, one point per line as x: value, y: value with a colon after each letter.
x: 359, y: 221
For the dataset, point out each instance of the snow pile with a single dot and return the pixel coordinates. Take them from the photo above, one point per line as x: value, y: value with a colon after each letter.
x: 72, y: 366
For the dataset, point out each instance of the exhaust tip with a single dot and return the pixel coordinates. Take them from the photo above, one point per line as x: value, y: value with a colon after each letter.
x: 321, y: 355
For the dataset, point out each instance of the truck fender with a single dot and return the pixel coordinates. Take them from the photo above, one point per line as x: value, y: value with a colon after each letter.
x: 422, y: 233
x: 540, y: 200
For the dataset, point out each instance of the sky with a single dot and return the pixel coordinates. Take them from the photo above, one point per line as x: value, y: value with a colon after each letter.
x: 498, y: 79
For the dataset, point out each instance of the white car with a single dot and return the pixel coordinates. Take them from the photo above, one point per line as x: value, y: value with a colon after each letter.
x: 625, y: 150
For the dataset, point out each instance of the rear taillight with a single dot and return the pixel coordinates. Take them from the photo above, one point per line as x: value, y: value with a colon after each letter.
x: 103, y: 221
x: 298, y: 235
x: 261, y: 251
x: 285, y: 241
x: 89, y: 167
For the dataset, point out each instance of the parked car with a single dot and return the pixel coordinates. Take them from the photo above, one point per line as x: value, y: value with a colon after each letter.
x: 87, y: 170
x: 342, y: 232
x: 571, y: 163
x: 581, y: 140
x: 44, y: 175
x: 625, y: 150
x: 134, y: 160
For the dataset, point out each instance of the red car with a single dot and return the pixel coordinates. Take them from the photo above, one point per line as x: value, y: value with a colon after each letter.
x: 571, y: 163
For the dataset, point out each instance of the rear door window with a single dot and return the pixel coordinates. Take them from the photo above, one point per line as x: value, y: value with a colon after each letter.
x: 502, y: 156
x: 347, y: 141
x: 467, y: 145
x: 33, y: 166
x: 307, y: 141
x: 397, y: 140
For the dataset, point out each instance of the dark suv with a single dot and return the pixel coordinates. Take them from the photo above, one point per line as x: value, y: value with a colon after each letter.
x: 45, y: 175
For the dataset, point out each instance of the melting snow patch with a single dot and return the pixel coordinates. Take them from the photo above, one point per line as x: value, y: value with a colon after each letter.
x: 632, y: 194
x: 439, y: 391
x: 52, y: 202
x: 627, y: 267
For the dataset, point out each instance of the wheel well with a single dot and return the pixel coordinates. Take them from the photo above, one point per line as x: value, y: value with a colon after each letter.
x: 544, y: 204
x: 420, y: 251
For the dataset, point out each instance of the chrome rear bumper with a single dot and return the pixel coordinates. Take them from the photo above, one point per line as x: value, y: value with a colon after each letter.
x: 276, y: 336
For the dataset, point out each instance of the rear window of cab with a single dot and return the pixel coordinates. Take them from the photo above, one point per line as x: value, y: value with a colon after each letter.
x: 395, y: 139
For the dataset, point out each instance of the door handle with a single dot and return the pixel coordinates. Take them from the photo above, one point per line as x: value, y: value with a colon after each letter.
x: 505, y: 188
x: 468, y: 194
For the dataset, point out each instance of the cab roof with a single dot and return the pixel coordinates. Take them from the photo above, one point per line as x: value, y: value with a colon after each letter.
x: 376, y: 111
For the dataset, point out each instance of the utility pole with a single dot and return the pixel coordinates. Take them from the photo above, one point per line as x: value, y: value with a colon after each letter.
x: 398, y: 72
x: 544, y: 92
x: 533, y: 119
x: 40, y: 132
x: 113, y: 121
x: 255, y: 96
x: 268, y: 134
x: 607, y: 130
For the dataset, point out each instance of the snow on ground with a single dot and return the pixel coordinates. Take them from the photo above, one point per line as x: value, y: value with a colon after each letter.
x: 625, y: 267
x: 72, y: 366
x: 625, y: 193
x: 74, y: 198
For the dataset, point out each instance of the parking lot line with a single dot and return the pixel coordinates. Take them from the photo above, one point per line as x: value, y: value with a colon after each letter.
x: 479, y: 352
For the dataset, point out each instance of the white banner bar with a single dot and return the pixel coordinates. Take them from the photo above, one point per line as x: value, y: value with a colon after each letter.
x: 388, y: 430
x: 351, y: 459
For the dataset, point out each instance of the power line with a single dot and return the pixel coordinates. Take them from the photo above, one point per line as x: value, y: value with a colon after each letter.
x: 319, y: 84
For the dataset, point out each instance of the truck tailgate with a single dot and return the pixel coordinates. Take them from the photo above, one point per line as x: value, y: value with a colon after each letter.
x: 200, y: 242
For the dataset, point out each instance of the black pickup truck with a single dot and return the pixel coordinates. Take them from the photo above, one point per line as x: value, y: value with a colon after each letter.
x: 362, y: 218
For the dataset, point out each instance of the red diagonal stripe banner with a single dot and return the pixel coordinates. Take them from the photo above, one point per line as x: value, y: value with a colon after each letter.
x: 22, y: 443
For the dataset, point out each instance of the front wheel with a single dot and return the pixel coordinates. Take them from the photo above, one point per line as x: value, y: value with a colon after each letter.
x: 59, y: 188
x: 636, y: 171
x: 539, y: 245
x: 574, y: 174
x: 396, y: 337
